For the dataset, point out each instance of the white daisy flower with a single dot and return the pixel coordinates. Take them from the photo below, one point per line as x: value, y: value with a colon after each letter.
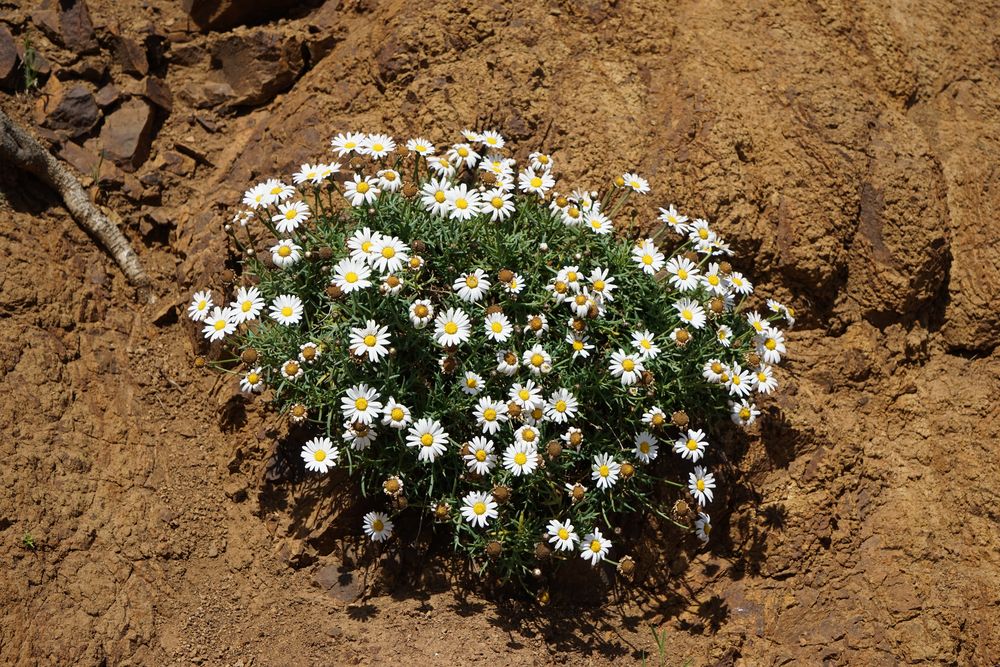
x: 573, y: 437
x: 701, y: 483
x: 290, y: 216
x: 605, y: 471
x: 371, y: 340
x: 391, y: 285
x: 309, y: 352
x: 561, y: 406
x: 360, y: 404
x: 781, y: 309
x: 757, y: 322
x: 219, y: 324
x: 654, y: 417
x: 395, y: 414
x: 559, y: 289
x: 646, y: 447
x: 286, y: 309
x: 643, y: 342
x: 540, y: 161
x: 537, y: 360
x: 647, y: 256
x: 515, y: 285
x: 491, y: 139
x: 636, y: 183
x: 420, y: 146
x: 306, y: 172
x: 594, y: 547
x: 285, y: 253
x: 247, y: 305
x: 359, y: 436
x: 507, y: 362
x: 598, y: 222
x: 690, y: 312
x: 277, y: 191
x: 537, y: 183
x: 478, y: 508
x: 201, y: 305
x: 351, y: 275
x: 520, y: 458
x: 253, y: 381
x: 389, y: 180
x: 771, y: 345
x: 291, y: 370
x: 490, y: 414
x: 714, y: 370
x: 739, y: 284
x: 480, y: 459
x: 442, y: 166
x: 691, y: 446
x: 602, y: 284
x: 627, y: 366
x: 671, y: 217
x: 319, y: 454
x: 427, y: 435
x: 764, y: 380
x: 743, y: 413
x: 703, y: 527
x: 527, y: 434
x: 698, y: 231
x: 582, y: 303
x: 498, y: 204
x: 740, y: 382
x: 472, y: 287
x: 377, y: 146
x: 421, y: 312
x: 684, y: 274
x: 724, y: 335
x: 463, y: 203
x: 713, y: 281
x: 389, y: 254
x: 362, y: 243
x: 451, y: 328
x: 498, y: 327
x: 580, y: 344
x: 472, y: 383
x: 498, y: 165
x: 348, y: 143
x: 256, y: 197
x: 377, y: 526
x: 460, y: 154
x: 361, y: 190
x: 562, y: 535
x: 537, y: 324
x: 470, y: 135
x: 325, y: 170
x: 434, y: 196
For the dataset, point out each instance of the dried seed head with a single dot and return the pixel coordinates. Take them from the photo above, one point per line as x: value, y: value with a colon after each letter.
x: 356, y: 162
x: 578, y: 492
x: 506, y: 275
x: 514, y: 410
x: 392, y: 486
x: 199, y: 362
x: 418, y: 246
x: 227, y: 276
x: 494, y: 549
x: 682, y: 510
x: 619, y: 182
x: 249, y: 356
x: 753, y: 359
x: 535, y: 323
x: 449, y: 364
x: 542, y: 551
x: 441, y: 511
x: 410, y: 190
x: 465, y: 450
x: 579, y: 325
x: 680, y: 419
x: 553, y: 449
x: 626, y: 567
x: 647, y: 378
x: 627, y: 470
x: 308, y: 352
x: 717, y: 305
x: 488, y: 177
x: 392, y: 281
x: 325, y: 252
x: 543, y: 597
x: 593, y: 311
x: 400, y: 502
x: 725, y: 268
x: 494, y: 309
x: 501, y: 493
x: 692, y: 256
x: 562, y: 202
x: 334, y: 292
x: 683, y: 336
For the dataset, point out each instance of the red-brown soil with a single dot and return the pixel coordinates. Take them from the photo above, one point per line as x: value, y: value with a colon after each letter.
x: 848, y: 149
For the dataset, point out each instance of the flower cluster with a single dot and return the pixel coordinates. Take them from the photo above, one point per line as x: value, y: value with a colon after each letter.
x: 481, y: 346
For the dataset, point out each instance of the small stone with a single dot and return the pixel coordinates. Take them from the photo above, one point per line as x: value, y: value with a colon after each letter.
x: 8, y: 59
x: 71, y: 109
x: 76, y: 28
x: 80, y: 158
x: 258, y: 65
x: 156, y: 91
x: 128, y: 134
x: 107, y: 96
x: 224, y: 14
x: 131, y: 56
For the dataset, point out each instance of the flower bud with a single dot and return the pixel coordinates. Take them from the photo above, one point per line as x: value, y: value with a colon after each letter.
x: 680, y: 419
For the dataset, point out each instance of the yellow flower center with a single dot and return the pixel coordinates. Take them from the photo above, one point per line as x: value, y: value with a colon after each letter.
x: 439, y: 196
x: 361, y: 404
x: 377, y: 526
x: 682, y: 274
x: 284, y: 251
x: 451, y: 328
x: 528, y: 435
x: 745, y: 413
x: 220, y: 324
x: 472, y: 282
x: 287, y: 311
x: 427, y: 440
x: 595, y: 223
x: 595, y: 546
x: 713, y: 280
x: 471, y: 382
x: 736, y: 380
x: 520, y: 458
x: 349, y: 145
x: 537, y: 414
x: 604, y: 471
x: 536, y: 182
x: 700, y: 485
x: 686, y: 314
x: 464, y: 152
x: 290, y: 214
x: 420, y: 311
x: 319, y: 455
x: 560, y: 287
x: 703, y: 233
x: 481, y: 455
x: 524, y: 394
x: 202, y: 305
x: 370, y: 340
x: 479, y: 508
x: 628, y: 365
x: 247, y: 306
x: 397, y: 414
x: 770, y: 343
x: 560, y: 406
x: 291, y: 368
x: 489, y: 414
x: 420, y: 148
x: 537, y: 359
x: 563, y: 534
x: 580, y: 299
x: 573, y: 212
x: 717, y: 367
x: 647, y: 259
x: 378, y: 148
x: 388, y: 252
x: 497, y: 327
x: 644, y: 447
x: 414, y: 262
x: 692, y: 444
x: 543, y: 159
x: 657, y: 419
x: 389, y: 176
x: 362, y: 187
x: 761, y: 377
x: 497, y: 202
x: 577, y: 345
x: 599, y: 285
x: 461, y: 203
x: 646, y: 344
x: 276, y: 190
x: 351, y: 277
x: 253, y: 378
x: 575, y: 438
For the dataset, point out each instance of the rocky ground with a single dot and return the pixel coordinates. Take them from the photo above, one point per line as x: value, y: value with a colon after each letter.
x: 849, y: 148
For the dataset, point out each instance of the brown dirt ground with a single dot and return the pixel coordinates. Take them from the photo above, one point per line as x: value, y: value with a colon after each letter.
x: 850, y: 147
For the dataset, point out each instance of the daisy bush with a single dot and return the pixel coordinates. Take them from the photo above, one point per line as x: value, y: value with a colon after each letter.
x: 477, y: 347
